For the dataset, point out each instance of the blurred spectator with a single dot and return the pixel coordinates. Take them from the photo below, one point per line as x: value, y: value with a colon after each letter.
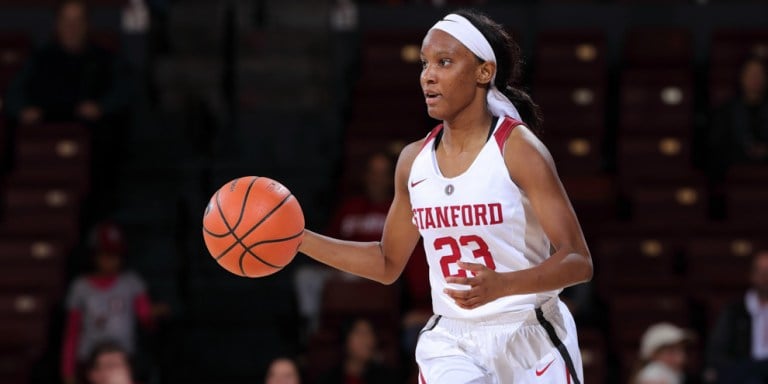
x: 69, y: 78
x: 358, y: 218
x: 739, y: 134
x: 662, y: 354
x: 359, y: 364
x: 104, y: 306
x: 109, y: 364
x: 738, y: 345
x: 72, y: 79
x: 283, y: 370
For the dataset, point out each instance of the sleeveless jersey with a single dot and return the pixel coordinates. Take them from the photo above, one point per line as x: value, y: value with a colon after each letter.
x: 479, y: 216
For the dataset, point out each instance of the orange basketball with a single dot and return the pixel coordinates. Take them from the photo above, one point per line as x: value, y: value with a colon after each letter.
x: 253, y: 226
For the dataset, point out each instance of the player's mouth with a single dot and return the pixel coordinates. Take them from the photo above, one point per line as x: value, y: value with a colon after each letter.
x: 432, y: 97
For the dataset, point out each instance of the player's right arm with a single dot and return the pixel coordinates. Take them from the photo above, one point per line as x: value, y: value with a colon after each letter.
x: 382, y: 261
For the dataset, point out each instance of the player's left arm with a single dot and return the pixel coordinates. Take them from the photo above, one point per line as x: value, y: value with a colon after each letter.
x: 531, y: 167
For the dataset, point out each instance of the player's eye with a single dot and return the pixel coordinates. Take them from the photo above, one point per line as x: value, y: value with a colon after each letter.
x: 444, y: 62
x: 423, y: 63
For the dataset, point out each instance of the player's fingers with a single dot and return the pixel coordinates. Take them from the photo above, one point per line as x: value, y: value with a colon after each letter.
x: 457, y: 280
x: 474, y: 267
x: 471, y: 303
x: 471, y: 281
x: 459, y: 294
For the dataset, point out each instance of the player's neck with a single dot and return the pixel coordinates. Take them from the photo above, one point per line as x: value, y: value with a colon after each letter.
x: 466, y: 130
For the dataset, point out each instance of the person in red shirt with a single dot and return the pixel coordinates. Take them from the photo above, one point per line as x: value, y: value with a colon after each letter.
x: 358, y: 217
x: 105, y: 305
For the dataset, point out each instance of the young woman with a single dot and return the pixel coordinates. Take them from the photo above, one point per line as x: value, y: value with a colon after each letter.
x: 483, y: 193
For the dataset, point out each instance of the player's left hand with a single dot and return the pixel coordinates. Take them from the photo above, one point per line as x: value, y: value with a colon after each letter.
x: 485, y: 286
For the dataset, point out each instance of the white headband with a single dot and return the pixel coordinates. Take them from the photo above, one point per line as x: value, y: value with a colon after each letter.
x: 467, y: 34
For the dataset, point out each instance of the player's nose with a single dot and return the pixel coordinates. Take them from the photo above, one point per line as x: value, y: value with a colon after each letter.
x: 427, y: 75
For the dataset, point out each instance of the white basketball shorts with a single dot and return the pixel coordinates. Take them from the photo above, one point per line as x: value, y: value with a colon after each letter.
x: 511, y: 347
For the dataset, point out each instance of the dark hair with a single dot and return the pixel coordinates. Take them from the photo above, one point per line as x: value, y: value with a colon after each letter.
x: 508, y: 65
x: 104, y: 348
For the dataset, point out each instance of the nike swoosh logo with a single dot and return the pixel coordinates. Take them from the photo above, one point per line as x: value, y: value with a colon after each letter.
x: 415, y: 183
x: 539, y: 373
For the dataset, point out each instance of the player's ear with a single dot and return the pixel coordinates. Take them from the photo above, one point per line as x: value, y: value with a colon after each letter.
x: 485, y: 72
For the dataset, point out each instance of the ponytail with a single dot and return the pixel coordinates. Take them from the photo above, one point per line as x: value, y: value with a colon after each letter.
x: 529, y: 110
x: 508, y: 66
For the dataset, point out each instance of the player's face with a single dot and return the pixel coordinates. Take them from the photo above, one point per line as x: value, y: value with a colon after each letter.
x: 282, y: 371
x: 449, y: 76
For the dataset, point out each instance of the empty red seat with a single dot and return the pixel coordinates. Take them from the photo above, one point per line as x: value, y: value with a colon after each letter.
x: 348, y: 298
x: 717, y: 270
x: 14, y: 49
x: 62, y: 226
x: 46, y: 279
x: 729, y: 47
x: 632, y: 264
x: 71, y: 131
x: 659, y: 47
x: 23, y: 306
x: 594, y: 197
x: 577, y: 108
x: 663, y: 158
x: 21, y: 200
x: 656, y: 101
x: 720, y: 262
x: 754, y: 175
x: 40, y: 251
x: 52, y: 153
x: 69, y: 177
x: 676, y: 205
x: 576, y: 155
x: 570, y: 55
x: 747, y: 203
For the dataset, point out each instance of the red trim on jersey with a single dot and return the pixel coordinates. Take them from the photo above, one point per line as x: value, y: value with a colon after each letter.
x: 504, y: 130
x: 431, y: 136
x: 421, y: 376
x: 567, y: 375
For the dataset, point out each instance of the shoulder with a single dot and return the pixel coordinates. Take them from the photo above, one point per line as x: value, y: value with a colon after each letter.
x: 522, y: 141
x: 408, y: 155
x: 79, y: 284
x: 132, y: 279
x: 525, y: 155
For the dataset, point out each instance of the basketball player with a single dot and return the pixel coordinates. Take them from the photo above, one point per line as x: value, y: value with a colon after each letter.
x: 483, y: 193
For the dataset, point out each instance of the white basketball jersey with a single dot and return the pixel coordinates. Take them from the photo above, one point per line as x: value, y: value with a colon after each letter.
x: 480, y: 216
